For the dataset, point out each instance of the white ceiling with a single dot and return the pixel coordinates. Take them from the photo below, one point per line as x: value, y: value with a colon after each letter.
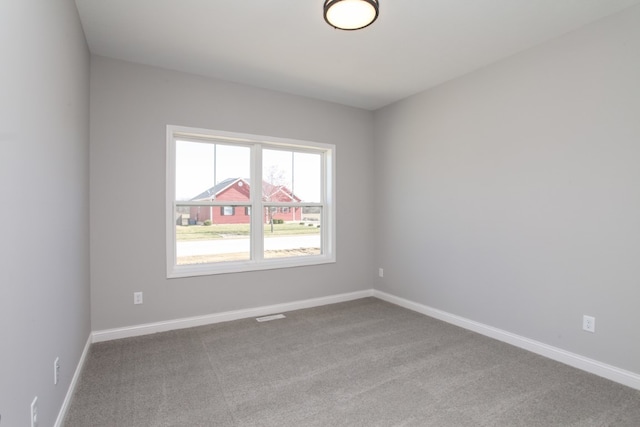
x: 285, y: 45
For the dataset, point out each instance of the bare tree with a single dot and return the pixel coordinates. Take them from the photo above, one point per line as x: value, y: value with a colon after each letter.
x: 272, y: 186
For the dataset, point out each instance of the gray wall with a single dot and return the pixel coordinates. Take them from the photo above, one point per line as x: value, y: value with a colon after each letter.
x: 130, y: 108
x: 522, y: 180
x: 44, y: 182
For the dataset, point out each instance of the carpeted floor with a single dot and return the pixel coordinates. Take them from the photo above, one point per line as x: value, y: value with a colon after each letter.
x: 360, y: 363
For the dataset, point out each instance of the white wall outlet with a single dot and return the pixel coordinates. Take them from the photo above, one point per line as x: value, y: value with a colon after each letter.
x: 381, y: 272
x: 56, y: 370
x: 137, y: 297
x: 34, y: 412
x: 589, y: 323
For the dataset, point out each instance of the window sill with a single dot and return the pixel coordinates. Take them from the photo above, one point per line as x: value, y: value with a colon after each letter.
x: 195, y: 270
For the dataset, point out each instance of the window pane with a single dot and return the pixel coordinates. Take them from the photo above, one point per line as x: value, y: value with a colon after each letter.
x: 292, y: 239
x: 199, y: 240
x: 311, y: 213
x: 290, y: 176
x: 307, y: 176
x: 233, y: 164
x: 212, y: 171
x: 200, y: 215
x: 194, y: 168
x: 282, y: 214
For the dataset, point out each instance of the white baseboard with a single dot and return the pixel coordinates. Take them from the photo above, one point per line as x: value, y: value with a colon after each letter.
x: 604, y: 370
x: 72, y: 386
x: 189, y: 322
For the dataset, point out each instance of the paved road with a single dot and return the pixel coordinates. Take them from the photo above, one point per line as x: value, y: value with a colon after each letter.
x: 225, y: 246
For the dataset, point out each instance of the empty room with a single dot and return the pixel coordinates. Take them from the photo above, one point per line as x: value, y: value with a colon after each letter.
x: 320, y: 212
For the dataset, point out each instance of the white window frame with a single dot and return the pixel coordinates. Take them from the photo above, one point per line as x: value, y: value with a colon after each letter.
x: 256, y: 204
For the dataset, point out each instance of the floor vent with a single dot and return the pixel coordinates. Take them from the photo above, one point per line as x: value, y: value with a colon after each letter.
x: 272, y: 317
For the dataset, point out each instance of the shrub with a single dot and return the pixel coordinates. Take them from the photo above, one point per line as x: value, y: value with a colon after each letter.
x: 207, y: 222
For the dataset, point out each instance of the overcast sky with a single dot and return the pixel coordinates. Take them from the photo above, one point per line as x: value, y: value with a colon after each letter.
x: 197, y: 170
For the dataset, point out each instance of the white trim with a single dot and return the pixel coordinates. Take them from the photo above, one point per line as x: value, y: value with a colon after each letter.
x: 72, y: 386
x: 213, y: 135
x: 610, y: 372
x: 189, y: 322
x: 604, y: 370
x: 193, y: 270
x: 170, y: 220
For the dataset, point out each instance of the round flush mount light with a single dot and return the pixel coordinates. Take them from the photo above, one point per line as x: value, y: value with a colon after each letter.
x: 350, y: 14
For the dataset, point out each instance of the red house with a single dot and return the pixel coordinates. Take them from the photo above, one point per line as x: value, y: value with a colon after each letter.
x: 238, y: 189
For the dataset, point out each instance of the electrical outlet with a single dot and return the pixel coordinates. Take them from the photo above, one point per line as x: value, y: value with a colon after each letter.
x: 34, y: 412
x: 56, y: 370
x: 381, y: 272
x: 137, y: 297
x: 589, y: 323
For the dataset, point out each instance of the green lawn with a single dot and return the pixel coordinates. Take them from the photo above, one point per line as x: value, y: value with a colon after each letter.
x: 222, y: 231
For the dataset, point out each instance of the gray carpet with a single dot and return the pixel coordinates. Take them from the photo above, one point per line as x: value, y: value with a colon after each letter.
x: 360, y: 363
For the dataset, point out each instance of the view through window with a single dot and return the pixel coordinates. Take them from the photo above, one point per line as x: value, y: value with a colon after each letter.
x: 217, y: 180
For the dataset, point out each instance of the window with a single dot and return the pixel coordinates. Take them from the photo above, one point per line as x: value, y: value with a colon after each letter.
x: 227, y: 210
x: 238, y: 202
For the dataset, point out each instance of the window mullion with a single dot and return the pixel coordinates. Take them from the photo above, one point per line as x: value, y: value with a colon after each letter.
x: 257, y: 229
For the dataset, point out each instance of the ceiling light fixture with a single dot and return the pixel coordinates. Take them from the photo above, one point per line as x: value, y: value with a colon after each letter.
x: 350, y: 14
